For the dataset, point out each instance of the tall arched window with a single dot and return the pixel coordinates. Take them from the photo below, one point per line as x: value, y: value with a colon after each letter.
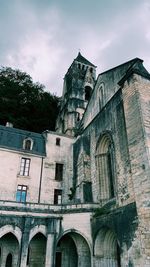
x: 105, y: 168
x: 101, y: 95
x: 9, y: 260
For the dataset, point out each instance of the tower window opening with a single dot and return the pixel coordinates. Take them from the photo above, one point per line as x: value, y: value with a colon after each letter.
x: 79, y: 66
x: 88, y: 91
x: 78, y: 116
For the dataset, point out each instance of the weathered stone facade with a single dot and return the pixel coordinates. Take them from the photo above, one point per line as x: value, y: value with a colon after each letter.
x: 79, y: 197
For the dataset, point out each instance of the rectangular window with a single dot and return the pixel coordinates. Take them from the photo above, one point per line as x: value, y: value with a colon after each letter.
x: 57, y: 141
x: 57, y: 196
x: 24, y: 167
x: 59, y: 172
x: 21, y: 193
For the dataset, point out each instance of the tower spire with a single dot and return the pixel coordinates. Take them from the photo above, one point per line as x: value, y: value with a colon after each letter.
x: 78, y: 84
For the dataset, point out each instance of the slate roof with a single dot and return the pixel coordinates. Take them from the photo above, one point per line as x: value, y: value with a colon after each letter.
x: 82, y: 59
x: 12, y: 138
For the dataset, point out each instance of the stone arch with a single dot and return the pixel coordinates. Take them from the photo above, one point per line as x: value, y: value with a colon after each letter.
x: 37, y: 229
x: 37, y: 250
x: 106, y: 248
x: 9, y: 250
x: 73, y: 250
x: 105, y: 167
x: 69, y: 231
x: 16, y: 231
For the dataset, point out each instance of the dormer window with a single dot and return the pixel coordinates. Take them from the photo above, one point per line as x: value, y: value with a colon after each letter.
x: 28, y: 144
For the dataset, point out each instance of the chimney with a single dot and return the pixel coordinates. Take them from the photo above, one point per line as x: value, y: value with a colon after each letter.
x: 9, y: 124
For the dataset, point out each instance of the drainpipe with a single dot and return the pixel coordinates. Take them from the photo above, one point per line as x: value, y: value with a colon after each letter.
x: 41, y: 174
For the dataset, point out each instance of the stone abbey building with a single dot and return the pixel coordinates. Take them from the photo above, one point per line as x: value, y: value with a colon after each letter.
x: 80, y: 196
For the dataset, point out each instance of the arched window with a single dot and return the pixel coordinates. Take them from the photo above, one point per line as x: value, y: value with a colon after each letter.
x: 105, y: 168
x: 28, y: 144
x: 106, y: 248
x: 101, y: 95
x: 9, y: 260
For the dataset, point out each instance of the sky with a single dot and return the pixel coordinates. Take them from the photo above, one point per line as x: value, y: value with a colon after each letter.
x: 42, y: 37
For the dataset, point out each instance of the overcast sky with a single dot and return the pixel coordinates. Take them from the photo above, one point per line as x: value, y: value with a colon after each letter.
x: 42, y: 37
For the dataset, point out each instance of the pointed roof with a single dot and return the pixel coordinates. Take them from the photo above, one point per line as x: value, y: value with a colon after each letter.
x: 82, y: 59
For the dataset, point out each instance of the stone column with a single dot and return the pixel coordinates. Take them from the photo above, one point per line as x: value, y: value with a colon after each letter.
x: 24, y: 243
x: 49, y: 261
x: 52, y: 229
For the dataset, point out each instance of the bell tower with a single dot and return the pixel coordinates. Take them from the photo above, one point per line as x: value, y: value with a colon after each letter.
x: 78, y: 85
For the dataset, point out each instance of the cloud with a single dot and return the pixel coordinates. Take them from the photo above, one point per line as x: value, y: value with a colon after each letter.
x: 43, y: 37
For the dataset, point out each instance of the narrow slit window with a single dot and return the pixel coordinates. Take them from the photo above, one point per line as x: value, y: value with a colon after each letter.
x: 57, y: 141
x: 59, y: 172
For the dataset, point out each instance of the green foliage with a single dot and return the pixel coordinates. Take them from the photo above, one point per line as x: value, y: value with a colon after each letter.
x: 26, y: 104
x: 72, y: 194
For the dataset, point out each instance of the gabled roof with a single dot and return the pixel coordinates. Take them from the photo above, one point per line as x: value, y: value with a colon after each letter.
x: 12, y: 138
x: 124, y: 65
x: 135, y: 68
x: 82, y: 59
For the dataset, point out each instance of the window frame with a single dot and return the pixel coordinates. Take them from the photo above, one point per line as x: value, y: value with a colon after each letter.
x: 105, y: 167
x: 57, y: 194
x: 21, y: 194
x: 25, y: 144
x: 24, y: 166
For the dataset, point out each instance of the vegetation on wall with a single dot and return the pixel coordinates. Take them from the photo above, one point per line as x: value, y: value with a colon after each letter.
x: 24, y: 103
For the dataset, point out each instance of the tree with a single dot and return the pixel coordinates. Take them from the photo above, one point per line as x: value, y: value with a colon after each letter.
x: 24, y: 103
